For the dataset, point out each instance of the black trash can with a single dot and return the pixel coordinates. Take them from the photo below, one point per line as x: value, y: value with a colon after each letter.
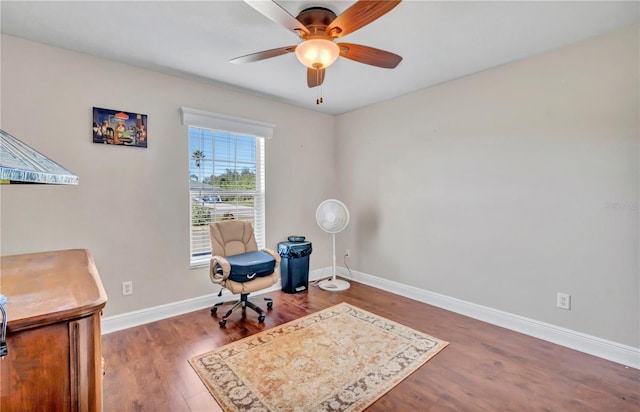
x: 294, y: 266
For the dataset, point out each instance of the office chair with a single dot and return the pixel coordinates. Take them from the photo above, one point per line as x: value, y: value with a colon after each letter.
x: 237, y: 265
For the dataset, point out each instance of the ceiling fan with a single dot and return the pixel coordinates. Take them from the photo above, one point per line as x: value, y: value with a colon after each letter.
x: 318, y: 27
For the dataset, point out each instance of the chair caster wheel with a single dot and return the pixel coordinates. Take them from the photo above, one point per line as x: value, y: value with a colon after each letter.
x: 214, y: 310
x: 269, y: 305
x: 222, y: 323
x: 261, y: 319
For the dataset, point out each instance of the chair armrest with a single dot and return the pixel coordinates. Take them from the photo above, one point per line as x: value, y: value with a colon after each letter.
x: 275, y: 255
x: 217, y: 277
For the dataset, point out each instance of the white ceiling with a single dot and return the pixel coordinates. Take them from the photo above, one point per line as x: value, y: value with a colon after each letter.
x: 438, y: 40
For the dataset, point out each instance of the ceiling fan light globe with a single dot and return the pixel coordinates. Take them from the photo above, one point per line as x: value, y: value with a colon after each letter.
x: 317, y: 53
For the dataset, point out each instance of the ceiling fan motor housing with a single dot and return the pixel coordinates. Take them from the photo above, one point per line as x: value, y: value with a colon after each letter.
x: 316, y: 19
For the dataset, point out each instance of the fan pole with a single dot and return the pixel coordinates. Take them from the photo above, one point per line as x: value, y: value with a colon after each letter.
x: 334, y: 283
x: 333, y: 238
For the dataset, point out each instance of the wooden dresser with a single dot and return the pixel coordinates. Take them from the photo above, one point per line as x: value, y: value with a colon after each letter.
x: 54, y: 305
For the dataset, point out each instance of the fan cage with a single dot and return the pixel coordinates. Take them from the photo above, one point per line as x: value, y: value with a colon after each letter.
x: 332, y: 216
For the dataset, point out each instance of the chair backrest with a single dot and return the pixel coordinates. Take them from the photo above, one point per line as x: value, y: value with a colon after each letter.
x: 231, y: 238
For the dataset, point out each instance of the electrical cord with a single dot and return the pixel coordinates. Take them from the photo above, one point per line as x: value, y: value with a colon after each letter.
x: 315, y: 282
x: 347, y: 266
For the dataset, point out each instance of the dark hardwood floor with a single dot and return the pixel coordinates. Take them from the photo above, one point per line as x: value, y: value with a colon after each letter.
x: 484, y: 368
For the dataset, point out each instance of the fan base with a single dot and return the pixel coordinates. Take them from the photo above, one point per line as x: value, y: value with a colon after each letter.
x: 334, y: 285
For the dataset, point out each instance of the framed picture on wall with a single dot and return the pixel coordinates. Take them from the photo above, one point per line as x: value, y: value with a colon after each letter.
x: 116, y: 127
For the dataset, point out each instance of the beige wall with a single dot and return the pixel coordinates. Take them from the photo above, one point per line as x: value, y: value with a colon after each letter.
x: 508, y: 186
x: 131, y: 208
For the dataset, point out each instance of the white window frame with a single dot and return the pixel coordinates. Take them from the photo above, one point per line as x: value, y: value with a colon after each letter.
x: 259, y: 130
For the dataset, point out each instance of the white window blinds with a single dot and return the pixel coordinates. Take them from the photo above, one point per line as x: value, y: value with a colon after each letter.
x: 226, y: 181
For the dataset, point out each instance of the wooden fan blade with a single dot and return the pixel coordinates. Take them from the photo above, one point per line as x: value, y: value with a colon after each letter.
x: 359, y: 15
x: 276, y: 13
x: 266, y: 54
x: 369, y: 55
x: 315, y: 77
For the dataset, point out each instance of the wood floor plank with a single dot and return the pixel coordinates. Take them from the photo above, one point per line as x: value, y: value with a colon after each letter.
x: 484, y: 368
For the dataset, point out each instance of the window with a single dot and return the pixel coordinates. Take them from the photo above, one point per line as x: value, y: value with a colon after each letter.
x: 226, y: 179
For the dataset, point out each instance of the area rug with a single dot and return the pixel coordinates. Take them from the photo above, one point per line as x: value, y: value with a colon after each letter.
x: 339, y: 359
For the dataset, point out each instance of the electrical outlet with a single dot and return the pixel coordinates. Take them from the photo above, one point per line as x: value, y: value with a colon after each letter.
x: 564, y: 301
x: 347, y: 253
x: 127, y: 288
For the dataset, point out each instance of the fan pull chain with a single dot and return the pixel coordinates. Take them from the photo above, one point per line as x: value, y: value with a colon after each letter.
x: 319, y: 91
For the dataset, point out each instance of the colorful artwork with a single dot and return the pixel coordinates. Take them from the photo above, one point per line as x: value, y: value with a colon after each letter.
x: 119, y: 128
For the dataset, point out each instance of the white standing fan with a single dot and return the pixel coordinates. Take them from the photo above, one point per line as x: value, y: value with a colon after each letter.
x: 333, y: 216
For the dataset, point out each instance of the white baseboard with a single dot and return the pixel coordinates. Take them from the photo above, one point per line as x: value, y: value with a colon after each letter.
x: 603, y: 348
x: 140, y: 317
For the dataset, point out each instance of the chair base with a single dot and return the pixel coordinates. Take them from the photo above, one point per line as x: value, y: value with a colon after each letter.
x: 244, y: 303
